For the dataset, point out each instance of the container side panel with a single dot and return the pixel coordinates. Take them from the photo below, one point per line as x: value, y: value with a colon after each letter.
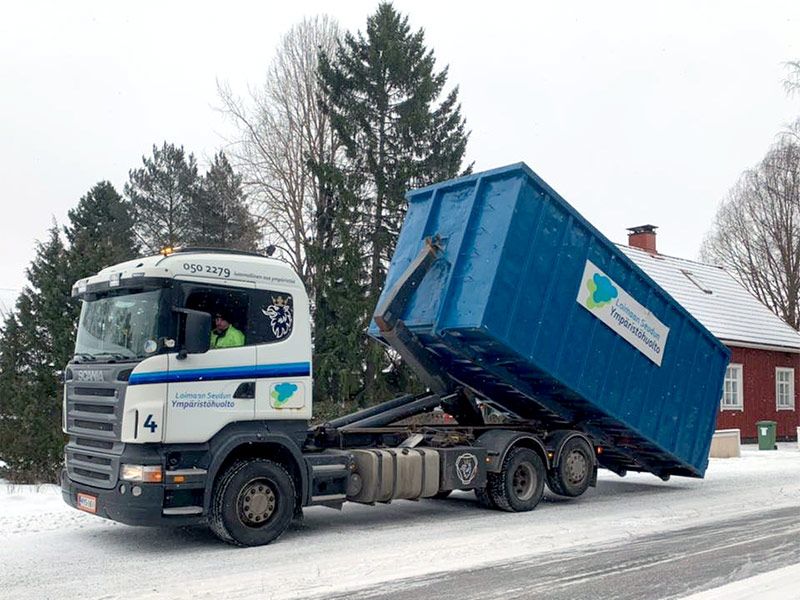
x: 524, y: 318
x: 582, y: 327
x: 555, y: 264
x: 643, y: 409
x: 451, y: 208
x: 477, y: 262
x: 602, y: 344
x: 620, y: 391
x: 409, y: 243
x: 674, y: 412
x: 510, y: 282
x: 535, y: 285
x: 697, y: 385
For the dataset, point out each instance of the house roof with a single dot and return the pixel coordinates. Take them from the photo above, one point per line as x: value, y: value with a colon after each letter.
x: 724, y: 306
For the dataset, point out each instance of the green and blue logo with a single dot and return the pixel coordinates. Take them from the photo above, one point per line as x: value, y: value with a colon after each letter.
x: 283, y: 392
x: 601, y: 291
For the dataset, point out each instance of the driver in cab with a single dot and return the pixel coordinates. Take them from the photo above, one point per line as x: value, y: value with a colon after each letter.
x: 223, y: 334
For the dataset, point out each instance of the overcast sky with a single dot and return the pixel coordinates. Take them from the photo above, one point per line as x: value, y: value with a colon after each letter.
x: 635, y: 112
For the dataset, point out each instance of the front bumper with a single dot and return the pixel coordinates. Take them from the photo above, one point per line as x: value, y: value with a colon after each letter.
x: 120, y: 504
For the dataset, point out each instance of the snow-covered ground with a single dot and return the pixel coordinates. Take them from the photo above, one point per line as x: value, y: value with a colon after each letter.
x: 780, y: 584
x: 53, y: 551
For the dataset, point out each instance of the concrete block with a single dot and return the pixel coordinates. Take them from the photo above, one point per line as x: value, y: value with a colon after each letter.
x: 726, y: 443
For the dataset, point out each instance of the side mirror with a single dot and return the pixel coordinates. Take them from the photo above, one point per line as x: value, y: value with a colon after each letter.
x: 194, y: 332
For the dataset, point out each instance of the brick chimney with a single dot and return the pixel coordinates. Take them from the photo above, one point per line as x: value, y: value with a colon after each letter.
x: 643, y: 237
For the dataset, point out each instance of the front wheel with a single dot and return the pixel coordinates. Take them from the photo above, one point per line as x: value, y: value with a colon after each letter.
x: 519, y: 485
x: 253, y: 503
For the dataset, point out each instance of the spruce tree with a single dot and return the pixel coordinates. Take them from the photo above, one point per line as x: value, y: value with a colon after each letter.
x: 162, y: 194
x: 100, y: 231
x: 99, y: 234
x: 16, y: 394
x: 338, y: 345
x: 37, y: 343
x: 385, y: 100
x: 220, y: 218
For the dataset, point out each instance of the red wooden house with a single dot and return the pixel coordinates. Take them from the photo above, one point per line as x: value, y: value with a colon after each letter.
x: 764, y: 371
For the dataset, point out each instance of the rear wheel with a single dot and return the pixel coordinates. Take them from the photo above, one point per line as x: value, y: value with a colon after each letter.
x: 253, y: 503
x: 519, y: 486
x: 575, y: 467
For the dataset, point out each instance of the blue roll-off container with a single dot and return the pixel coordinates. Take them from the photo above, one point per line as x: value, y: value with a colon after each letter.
x: 500, y: 311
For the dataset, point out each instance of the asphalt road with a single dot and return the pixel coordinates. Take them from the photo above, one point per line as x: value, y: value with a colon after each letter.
x: 656, y: 566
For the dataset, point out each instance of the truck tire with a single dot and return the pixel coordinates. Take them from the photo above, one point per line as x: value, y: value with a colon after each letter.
x: 253, y: 503
x: 554, y: 483
x: 519, y: 485
x: 484, y: 497
x: 574, y: 472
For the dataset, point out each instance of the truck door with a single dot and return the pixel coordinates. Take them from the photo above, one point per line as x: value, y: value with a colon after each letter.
x: 280, y: 321
x: 208, y: 391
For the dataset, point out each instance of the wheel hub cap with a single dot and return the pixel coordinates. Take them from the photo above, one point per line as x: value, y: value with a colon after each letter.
x: 523, y: 482
x: 576, y: 467
x: 256, y: 503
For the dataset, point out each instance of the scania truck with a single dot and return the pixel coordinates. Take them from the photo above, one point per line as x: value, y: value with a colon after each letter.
x: 500, y: 296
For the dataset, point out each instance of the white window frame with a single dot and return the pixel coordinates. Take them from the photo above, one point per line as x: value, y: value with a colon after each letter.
x: 737, y: 380
x: 790, y: 404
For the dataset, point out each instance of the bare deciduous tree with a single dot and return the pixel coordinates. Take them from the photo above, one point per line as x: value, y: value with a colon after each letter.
x: 792, y: 86
x: 756, y: 232
x: 281, y: 129
x: 792, y: 81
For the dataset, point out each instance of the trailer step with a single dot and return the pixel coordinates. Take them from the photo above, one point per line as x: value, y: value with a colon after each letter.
x: 328, y: 498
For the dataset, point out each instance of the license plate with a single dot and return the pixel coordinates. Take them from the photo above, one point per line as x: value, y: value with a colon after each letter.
x: 87, y: 502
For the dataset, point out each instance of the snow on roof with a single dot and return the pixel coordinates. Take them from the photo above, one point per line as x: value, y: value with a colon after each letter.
x: 724, y: 306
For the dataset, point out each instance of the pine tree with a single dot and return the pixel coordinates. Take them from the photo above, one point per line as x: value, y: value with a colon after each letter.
x: 383, y: 94
x: 162, y: 194
x: 220, y: 218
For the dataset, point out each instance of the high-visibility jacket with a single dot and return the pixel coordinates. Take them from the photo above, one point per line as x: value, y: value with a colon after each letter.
x: 230, y: 338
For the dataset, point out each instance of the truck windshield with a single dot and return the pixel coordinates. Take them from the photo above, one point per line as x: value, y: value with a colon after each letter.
x: 118, y: 327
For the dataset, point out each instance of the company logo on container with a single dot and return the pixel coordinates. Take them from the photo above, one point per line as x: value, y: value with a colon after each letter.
x: 601, y: 291
x: 622, y: 313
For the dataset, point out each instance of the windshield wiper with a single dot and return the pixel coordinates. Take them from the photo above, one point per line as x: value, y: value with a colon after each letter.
x: 84, y: 357
x: 114, y: 356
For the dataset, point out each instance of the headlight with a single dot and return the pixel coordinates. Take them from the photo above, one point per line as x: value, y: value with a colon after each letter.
x: 141, y: 473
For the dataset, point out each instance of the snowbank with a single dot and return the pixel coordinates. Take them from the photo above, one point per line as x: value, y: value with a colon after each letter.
x: 780, y: 584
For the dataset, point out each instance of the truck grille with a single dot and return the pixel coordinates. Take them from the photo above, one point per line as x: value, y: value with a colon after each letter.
x: 94, y: 404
